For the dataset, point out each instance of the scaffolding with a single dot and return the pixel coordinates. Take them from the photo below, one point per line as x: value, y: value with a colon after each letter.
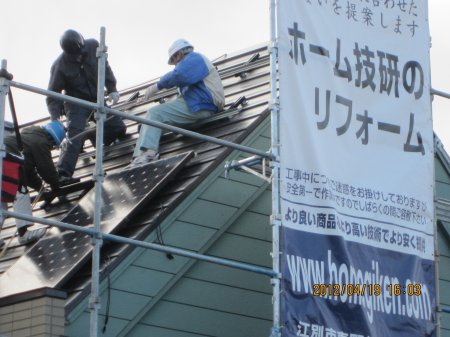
x: 95, y: 233
x: 101, y: 110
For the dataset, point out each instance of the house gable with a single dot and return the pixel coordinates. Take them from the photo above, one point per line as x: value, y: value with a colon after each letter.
x: 223, y: 217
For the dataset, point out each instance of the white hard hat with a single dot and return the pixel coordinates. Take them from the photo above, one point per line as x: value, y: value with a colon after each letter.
x: 176, y: 47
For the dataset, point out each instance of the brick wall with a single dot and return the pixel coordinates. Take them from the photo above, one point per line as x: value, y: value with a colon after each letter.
x: 39, y: 315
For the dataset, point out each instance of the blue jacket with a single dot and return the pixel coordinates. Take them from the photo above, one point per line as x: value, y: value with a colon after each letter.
x: 199, y: 83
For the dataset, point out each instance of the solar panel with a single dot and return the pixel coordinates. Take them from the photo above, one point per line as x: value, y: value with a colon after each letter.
x: 53, y: 259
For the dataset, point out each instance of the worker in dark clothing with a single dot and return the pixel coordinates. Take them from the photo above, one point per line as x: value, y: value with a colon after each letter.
x: 75, y: 71
x: 37, y: 143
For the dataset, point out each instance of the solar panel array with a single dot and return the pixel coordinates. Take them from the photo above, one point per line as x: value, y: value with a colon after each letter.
x: 61, y: 253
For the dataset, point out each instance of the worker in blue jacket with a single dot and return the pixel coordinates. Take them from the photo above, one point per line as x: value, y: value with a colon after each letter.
x: 201, y: 96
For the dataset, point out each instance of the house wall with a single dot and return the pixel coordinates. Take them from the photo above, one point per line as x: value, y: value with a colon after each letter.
x: 442, y: 178
x: 153, y: 295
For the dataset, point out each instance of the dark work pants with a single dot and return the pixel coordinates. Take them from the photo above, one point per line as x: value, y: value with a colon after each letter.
x: 77, y: 117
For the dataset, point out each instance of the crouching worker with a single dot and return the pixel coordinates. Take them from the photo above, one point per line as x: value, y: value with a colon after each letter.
x: 75, y: 72
x: 202, y: 95
x: 38, y: 166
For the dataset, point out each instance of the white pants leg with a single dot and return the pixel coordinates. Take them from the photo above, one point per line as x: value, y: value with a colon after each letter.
x: 173, y: 112
x: 22, y: 204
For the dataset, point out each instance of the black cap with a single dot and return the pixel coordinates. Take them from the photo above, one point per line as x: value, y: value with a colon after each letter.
x: 72, y: 42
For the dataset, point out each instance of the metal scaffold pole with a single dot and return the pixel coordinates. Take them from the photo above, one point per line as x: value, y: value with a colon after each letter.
x: 276, y: 218
x: 94, y: 303
x: 147, y: 245
x: 142, y: 120
x: 95, y: 232
x: 440, y: 93
x: 5, y: 78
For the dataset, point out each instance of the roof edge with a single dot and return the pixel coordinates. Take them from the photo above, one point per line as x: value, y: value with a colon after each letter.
x: 32, y: 295
x: 441, y: 153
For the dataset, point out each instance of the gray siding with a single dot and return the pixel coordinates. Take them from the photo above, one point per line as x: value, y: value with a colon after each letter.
x: 155, y: 295
x: 442, y: 178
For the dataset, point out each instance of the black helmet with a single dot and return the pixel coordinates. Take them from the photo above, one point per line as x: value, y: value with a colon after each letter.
x: 71, y: 42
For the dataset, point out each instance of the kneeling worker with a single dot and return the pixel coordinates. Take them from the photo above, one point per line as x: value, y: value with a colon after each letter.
x: 38, y: 142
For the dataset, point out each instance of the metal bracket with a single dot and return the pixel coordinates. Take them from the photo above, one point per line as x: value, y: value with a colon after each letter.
x: 97, y: 239
x: 242, y: 101
x: 243, y: 75
x: 245, y: 164
x: 100, y: 51
x: 275, y: 105
x: 99, y: 177
x: 276, y: 332
x: 94, y: 303
x: 275, y: 219
x: 4, y: 73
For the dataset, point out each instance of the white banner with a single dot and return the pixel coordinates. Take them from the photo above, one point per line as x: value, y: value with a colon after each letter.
x: 356, y: 127
x: 357, y: 169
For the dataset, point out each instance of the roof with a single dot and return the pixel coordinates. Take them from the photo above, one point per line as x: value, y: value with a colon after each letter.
x: 246, y: 79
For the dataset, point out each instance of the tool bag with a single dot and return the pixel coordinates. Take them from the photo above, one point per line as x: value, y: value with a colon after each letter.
x: 13, y: 165
x: 12, y: 169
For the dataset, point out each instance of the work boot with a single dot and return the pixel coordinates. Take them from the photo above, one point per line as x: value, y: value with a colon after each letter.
x: 144, y: 158
x: 31, y: 236
x: 65, y: 180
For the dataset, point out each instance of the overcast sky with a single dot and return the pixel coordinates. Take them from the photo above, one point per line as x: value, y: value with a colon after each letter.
x: 138, y: 33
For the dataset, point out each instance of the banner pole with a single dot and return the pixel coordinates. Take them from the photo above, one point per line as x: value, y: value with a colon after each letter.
x: 275, y: 149
x: 95, y: 302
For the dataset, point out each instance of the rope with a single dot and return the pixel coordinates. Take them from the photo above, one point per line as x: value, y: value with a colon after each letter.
x: 5, y: 247
x: 39, y: 195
